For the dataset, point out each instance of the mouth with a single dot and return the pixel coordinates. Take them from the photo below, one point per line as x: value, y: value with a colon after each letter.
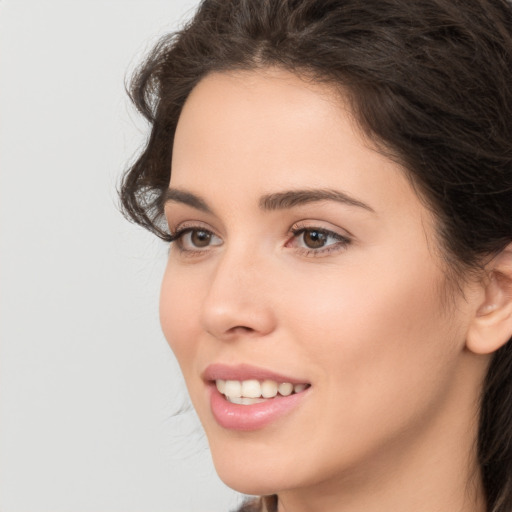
x: 246, y: 398
x: 252, y: 391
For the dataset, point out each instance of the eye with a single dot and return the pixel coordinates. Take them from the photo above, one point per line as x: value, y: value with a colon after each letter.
x: 195, y: 239
x: 314, y: 239
x: 317, y: 241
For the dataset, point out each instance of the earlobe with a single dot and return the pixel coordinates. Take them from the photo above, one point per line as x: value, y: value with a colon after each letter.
x: 491, y: 328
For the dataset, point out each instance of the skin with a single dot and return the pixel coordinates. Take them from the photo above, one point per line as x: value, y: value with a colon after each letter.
x: 389, y: 423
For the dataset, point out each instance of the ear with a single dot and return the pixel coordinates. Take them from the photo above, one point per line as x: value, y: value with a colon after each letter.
x: 491, y: 328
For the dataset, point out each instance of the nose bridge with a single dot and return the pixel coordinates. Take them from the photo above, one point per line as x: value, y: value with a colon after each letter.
x: 237, y: 298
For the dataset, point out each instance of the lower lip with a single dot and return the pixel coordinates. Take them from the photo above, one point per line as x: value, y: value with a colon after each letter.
x: 254, y: 416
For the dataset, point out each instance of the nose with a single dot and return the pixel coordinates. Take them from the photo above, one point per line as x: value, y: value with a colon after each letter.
x: 239, y: 299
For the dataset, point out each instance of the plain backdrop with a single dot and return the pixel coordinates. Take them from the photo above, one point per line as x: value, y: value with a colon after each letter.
x: 89, y: 389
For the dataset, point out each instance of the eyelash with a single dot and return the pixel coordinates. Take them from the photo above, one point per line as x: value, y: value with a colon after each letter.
x: 178, y: 235
x: 341, y: 241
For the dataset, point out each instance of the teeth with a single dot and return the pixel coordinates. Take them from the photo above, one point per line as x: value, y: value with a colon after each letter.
x: 233, y: 388
x: 268, y: 389
x: 221, y: 385
x: 285, y: 389
x: 244, y: 401
x: 252, y: 391
x: 299, y: 387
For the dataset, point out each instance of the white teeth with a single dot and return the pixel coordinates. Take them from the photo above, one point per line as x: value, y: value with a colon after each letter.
x: 252, y: 391
x: 244, y: 401
x: 285, y: 388
x: 268, y: 389
x: 233, y: 388
x: 299, y: 387
x: 221, y: 385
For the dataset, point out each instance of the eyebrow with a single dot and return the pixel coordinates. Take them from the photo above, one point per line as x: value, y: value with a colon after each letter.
x: 175, y: 195
x: 291, y: 198
x: 271, y: 202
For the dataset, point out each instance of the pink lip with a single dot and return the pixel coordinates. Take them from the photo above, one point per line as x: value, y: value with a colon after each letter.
x: 248, y: 417
x: 245, y: 372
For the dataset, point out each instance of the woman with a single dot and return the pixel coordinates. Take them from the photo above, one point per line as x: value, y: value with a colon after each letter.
x: 336, y: 177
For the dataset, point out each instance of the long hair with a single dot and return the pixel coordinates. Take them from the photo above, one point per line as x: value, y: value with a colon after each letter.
x: 430, y: 82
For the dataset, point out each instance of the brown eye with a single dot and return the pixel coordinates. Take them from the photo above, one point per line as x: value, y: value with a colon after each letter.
x: 200, y: 238
x: 317, y: 241
x: 314, y: 239
x: 195, y: 239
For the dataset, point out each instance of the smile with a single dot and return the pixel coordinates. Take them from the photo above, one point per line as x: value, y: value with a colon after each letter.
x: 249, y: 392
x: 247, y: 398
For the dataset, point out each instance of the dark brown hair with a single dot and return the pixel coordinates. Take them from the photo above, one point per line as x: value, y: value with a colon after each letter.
x: 430, y: 83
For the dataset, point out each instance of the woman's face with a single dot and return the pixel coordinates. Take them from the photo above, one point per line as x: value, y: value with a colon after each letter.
x: 304, y: 258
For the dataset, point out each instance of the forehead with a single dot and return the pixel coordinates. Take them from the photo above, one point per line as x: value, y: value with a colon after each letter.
x: 258, y: 114
x: 263, y: 131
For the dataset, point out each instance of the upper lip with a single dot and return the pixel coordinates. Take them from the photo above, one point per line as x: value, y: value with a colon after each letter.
x: 245, y: 372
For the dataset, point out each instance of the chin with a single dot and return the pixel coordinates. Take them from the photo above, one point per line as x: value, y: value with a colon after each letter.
x: 251, y: 473
x: 249, y: 486
x: 253, y: 484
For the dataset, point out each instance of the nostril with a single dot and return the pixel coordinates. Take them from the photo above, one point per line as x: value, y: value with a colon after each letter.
x: 234, y: 332
x: 241, y: 328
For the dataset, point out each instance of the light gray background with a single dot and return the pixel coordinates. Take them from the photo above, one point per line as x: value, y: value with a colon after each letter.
x: 88, y: 385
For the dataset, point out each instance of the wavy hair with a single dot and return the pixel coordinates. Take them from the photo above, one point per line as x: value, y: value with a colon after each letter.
x: 430, y: 82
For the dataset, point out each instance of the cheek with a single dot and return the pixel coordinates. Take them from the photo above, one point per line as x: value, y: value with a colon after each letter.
x: 178, y: 307
x: 375, y: 336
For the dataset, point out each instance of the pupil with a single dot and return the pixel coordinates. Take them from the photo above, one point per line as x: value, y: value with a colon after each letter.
x: 314, y: 239
x: 201, y: 238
